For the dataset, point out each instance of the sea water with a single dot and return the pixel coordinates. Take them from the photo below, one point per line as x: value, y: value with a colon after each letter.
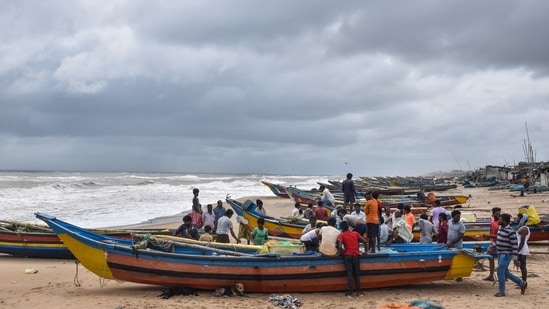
x: 115, y: 199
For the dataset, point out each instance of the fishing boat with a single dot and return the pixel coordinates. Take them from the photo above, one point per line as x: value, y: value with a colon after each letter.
x: 418, y: 200
x: 39, y: 241
x: 278, y: 227
x: 478, y: 231
x: 262, y: 273
x: 277, y: 189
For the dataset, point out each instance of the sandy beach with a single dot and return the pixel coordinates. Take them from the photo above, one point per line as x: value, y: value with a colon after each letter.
x: 65, y: 284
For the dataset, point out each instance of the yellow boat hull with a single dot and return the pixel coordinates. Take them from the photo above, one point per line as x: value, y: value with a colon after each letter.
x: 92, y: 258
x: 462, y: 266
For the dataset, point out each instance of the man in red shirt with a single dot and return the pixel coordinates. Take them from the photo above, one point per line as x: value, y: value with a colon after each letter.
x: 348, y: 244
x: 494, y: 226
x: 320, y: 212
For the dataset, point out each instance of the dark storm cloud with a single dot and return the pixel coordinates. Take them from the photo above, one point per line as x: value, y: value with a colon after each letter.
x: 482, y: 35
x: 244, y: 86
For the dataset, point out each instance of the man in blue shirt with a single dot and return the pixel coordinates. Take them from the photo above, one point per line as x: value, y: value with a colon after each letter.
x: 219, y: 211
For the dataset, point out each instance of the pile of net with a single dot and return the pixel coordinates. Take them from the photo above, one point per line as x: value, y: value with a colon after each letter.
x: 285, y: 301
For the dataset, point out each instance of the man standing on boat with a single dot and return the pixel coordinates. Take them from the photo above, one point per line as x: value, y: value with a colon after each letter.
x: 196, y: 203
x: 349, y: 192
x: 371, y: 209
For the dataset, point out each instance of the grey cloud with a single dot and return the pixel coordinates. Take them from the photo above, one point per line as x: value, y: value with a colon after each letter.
x: 245, y: 86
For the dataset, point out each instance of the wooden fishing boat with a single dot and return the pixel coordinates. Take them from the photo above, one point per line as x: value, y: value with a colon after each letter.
x: 477, y: 246
x: 277, y: 189
x: 276, y: 226
x: 38, y: 241
x: 417, y: 201
x: 479, y: 231
x: 271, y: 273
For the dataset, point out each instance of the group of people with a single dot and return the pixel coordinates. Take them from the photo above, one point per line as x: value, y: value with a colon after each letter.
x: 371, y: 225
x: 217, y: 221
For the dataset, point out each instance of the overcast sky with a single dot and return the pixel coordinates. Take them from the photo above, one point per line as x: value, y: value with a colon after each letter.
x: 284, y: 87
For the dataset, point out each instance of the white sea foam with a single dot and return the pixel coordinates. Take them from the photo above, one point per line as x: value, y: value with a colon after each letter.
x: 114, y: 199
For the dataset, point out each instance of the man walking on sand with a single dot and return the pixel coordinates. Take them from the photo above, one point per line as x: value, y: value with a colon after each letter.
x: 507, y: 246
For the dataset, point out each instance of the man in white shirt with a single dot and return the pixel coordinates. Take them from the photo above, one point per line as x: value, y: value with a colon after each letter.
x: 327, y: 197
x: 310, y: 239
x: 328, y: 238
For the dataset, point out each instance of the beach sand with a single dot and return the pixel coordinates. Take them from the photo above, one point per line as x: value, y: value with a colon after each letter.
x: 65, y: 284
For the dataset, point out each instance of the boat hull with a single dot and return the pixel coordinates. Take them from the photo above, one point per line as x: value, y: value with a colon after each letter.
x: 33, y: 245
x: 280, y: 275
x: 118, y: 259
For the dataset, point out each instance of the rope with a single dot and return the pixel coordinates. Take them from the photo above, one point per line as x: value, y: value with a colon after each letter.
x: 76, y: 281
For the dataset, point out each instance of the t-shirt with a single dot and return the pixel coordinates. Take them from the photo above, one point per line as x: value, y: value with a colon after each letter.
x: 454, y: 230
x: 328, y: 244
x: 371, y: 210
x: 186, y: 232
x: 327, y: 197
x: 196, y: 204
x: 224, y: 225
x: 308, y: 213
x: 295, y: 213
x: 259, y: 235
x: 410, y: 220
x: 321, y: 213
x: 208, y: 218
x: 261, y: 211
x: 494, y: 227
x: 350, y: 240
x: 435, y: 212
x: 348, y: 187
x: 426, y: 227
x: 309, y: 236
x: 218, y: 212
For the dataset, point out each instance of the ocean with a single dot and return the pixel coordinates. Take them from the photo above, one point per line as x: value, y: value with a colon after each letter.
x: 95, y: 200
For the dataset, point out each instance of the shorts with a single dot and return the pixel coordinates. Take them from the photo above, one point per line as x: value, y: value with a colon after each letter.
x: 348, y: 199
x: 361, y: 228
x: 373, y: 230
x: 223, y: 238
